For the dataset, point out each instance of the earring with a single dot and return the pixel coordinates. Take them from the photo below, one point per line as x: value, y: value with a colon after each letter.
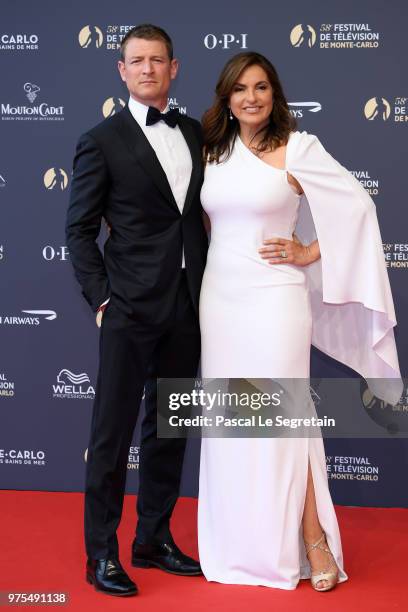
x: 231, y: 116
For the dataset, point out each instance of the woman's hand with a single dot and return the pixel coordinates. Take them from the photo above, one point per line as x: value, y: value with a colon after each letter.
x: 281, y: 250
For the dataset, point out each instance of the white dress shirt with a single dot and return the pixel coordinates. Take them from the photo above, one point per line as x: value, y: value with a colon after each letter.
x: 172, y: 152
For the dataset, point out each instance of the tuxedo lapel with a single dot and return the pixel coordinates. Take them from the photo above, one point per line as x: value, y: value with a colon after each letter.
x: 135, y: 140
x: 196, y: 156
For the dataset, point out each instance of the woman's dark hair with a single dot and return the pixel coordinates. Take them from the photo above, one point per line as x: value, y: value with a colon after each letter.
x: 220, y: 131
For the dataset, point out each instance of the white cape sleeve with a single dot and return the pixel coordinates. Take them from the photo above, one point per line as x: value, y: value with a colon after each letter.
x: 352, y: 306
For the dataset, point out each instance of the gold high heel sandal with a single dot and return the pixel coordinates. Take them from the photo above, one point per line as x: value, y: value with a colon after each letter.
x: 331, y: 577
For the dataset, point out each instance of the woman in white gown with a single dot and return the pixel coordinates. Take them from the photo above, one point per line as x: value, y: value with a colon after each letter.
x: 265, y: 514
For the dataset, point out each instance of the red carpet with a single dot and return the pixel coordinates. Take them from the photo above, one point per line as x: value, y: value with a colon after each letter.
x: 42, y: 550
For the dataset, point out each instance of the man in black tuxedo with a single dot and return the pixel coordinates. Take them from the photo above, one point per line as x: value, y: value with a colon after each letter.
x: 142, y: 171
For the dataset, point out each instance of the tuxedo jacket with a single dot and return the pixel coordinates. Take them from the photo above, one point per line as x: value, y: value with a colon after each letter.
x: 117, y: 176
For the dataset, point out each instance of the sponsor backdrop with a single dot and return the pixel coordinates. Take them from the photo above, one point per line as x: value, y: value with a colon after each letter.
x: 342, y: 66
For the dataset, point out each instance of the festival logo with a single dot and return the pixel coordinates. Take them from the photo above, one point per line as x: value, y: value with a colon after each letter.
x: 55, y: 178
x: 371, y: 185
x: 6, y: 386
x: 303, y: 34
x: 335, y: 36
x: 396, y: 255
x: 377, y: 109
x: 73, y: 386
x: 133, y: 457
x: 401, y: 109
x: 90, y: 36
x: 392, y: 419
x: 173, y: 103
x: 111, y: 106
x: 108, y: 37
x: 352, y: 469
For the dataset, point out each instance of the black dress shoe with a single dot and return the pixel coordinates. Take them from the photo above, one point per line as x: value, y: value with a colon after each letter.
x: 108, y: 576
x: 166, y: 556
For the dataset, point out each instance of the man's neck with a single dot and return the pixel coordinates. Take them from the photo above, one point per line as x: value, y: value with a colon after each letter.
x: 159, y: 104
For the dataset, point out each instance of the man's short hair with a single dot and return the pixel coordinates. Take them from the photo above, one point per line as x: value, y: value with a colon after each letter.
x: 147, y: 31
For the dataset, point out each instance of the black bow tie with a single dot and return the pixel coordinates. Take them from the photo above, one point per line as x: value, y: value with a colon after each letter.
x: 154, y: 115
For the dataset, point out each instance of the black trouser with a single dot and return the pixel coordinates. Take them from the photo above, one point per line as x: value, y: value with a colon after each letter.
x: 131, y: 356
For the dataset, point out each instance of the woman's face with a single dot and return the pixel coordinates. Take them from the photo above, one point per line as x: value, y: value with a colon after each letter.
x: 251, y: 98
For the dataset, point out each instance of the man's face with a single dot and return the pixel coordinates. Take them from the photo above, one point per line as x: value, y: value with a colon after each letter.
x: 148, y: 71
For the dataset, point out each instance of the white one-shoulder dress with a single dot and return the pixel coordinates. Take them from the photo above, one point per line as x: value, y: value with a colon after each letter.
x: 256, y: 322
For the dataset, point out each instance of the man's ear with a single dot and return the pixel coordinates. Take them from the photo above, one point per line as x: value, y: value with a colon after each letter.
x: 174, y: 66
x: 121, y: 68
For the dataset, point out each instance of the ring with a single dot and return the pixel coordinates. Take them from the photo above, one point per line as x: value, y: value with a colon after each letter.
x: 283, y: 254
